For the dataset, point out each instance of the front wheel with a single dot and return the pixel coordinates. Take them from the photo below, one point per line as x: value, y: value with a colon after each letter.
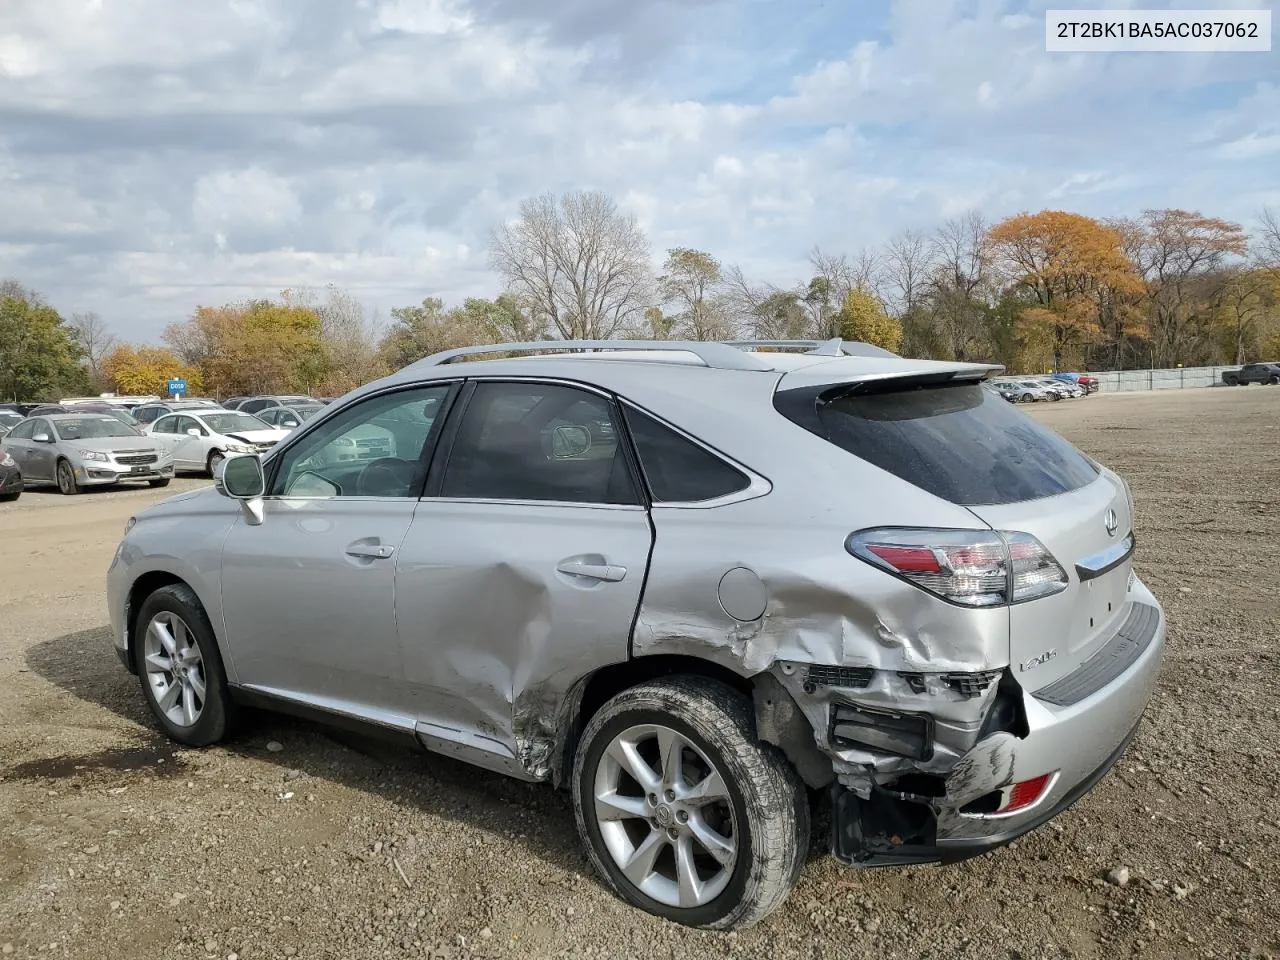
x: 215, y: 458
x: 683, y: 811
x: 67, y: 484
x: 1274, y: 381
x: 162, y: 482
x: 180, y: 667
x: 1027, y: 398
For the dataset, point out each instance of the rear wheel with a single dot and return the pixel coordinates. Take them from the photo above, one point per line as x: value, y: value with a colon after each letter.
x: 66, y: 476
x: 10, y: 497
x: 683, y: 811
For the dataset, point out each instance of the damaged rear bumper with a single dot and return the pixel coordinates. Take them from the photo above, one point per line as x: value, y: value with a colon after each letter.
x: 848, y: 826
x: 1070, y: 740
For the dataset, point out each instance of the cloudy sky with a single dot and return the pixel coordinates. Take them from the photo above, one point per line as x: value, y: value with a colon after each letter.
x: 159, y: 154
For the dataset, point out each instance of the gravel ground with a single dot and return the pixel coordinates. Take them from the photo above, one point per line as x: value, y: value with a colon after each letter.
x: 295, y: 842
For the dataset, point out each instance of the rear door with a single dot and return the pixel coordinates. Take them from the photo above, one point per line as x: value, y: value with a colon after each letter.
x: 522, y: 570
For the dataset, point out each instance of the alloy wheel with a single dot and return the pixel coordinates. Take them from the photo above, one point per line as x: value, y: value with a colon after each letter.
x: 665, y: 816
x: 66, y: 479
x: 175, y: 668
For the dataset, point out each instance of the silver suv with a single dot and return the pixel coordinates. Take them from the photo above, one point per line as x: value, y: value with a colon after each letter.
x: 718, y: 594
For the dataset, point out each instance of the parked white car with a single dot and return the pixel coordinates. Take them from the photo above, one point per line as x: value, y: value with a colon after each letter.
x: 200, y: 439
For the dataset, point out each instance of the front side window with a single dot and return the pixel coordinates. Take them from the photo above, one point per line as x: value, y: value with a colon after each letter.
x: 166, y: 425
x: 24, y: 430
x: 538, y: 441
x: 373, y: 449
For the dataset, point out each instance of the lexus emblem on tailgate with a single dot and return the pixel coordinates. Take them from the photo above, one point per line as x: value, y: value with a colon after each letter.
x: 1111, y: 522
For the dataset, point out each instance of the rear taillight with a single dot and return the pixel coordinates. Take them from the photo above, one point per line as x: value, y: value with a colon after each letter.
x: 972, y: 568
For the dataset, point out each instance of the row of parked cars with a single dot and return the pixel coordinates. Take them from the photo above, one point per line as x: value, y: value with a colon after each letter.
x: 100, y: 441
x: 1058, y: 386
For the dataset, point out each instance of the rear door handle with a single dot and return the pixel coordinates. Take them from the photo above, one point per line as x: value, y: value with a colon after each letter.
x: 373, y: 551
x: 592, y: 571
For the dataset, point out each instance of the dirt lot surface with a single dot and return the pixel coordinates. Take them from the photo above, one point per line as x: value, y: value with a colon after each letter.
x: 291, y: 842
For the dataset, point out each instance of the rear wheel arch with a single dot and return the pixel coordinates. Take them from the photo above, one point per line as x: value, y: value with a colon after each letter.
x: 594, y: 690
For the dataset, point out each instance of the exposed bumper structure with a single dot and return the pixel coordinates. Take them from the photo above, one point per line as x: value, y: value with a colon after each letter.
x: 1073, y: 736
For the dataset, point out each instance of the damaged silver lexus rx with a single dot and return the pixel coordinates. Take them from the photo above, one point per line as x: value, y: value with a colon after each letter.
x: 719, y: 594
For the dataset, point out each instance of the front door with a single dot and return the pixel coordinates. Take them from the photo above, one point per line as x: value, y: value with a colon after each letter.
x: 309, y: 594
x: 522, y: 570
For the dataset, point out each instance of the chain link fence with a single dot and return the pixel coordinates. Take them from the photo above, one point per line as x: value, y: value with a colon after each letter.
x: 1178, y: 378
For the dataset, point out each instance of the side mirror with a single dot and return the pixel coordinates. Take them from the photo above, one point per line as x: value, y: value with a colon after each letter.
x: 241, y: 478
x: 193, y: 431
x: 42, y: 438
x: 290, y: 423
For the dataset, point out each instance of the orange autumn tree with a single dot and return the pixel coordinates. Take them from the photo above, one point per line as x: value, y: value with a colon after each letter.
x: 1070, y: 268
x: 143, y: 370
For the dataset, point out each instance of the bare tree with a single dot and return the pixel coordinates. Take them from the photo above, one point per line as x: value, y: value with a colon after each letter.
x: 90, y: 331
x: 905, y: 270
x: 575, y: 261
x: 1182, y: 257
x: 961, y: 265
x: 350, y: 341
x: 1268, y: 239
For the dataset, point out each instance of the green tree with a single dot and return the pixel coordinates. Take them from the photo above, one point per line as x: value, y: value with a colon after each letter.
x: 690, y: 281
x: 863, y: 318
x: 39, y: 357
x: 428, y: 328
x: 258, y: 346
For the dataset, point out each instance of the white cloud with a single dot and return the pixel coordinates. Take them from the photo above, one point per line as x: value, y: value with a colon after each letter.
x: 155, y: 155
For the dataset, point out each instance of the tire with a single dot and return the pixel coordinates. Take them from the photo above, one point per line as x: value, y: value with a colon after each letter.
x: 66, y: 477
x: 10, y: 497
x: 156, y: 484
x: 1028, y: 398
x: 177, y: 609
x: 763, y: 804
x: 1274, y: 381
x: 215, y: 458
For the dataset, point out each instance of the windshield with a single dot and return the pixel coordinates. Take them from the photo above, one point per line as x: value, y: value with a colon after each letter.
x: 124, y: 416
x: 233, y: 422
x: 92, y: 428
x: 298, y: 402
x: 307, y: 409
x: 10, y: 419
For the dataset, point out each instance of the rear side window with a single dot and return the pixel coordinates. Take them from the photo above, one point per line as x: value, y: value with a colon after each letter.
x: 678, y: 470
x: 957, y: 441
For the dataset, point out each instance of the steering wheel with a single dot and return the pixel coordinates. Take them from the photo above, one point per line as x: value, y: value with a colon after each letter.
x: 386, y: 477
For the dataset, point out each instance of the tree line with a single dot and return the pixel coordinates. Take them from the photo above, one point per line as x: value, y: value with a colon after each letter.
x: 1043, y: 291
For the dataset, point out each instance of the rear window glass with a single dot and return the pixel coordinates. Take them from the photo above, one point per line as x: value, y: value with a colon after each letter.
x: 959, y: 442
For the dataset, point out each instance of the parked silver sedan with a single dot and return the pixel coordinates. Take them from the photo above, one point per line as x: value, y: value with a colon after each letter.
x: 76, y: 450
x: 199, y: 439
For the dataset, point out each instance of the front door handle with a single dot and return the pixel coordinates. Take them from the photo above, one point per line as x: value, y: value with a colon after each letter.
x: 371, y: 551
x: 592, y: 571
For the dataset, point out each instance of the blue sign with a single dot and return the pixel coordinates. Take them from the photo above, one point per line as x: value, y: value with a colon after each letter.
x: 177, y: 387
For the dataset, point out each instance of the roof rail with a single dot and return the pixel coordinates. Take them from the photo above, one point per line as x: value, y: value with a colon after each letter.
x: 820, y: 348
x: 721, y: 356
